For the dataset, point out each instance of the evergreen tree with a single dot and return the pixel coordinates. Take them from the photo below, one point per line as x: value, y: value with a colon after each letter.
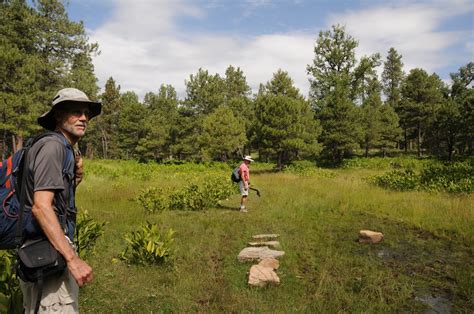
x: 204, y: 92
x: 131, y: 127
x: 18, y: 75
x: 462, y: 93
x: 332, y: 75
x: 39, y: 48
x: 421, y: 95
x: 392, y: 79
x: 222, y: 134
x: 162, y: 121
x: 285, y: 126
x: 390, y: 131
x: 106, y: 125
x: 237, y: 98
x: 452, y: 128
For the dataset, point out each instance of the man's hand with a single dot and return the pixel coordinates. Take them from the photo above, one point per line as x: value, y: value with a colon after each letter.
x: 80, y: 270
x: 79, y: 169
x: 246, y: 185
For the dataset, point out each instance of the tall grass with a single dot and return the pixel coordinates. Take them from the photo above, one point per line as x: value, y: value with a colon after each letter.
x: 428, y: 243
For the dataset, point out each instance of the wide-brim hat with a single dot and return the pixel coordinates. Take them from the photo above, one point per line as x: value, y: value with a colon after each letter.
x: 248, y: 158
x: 61, y: 100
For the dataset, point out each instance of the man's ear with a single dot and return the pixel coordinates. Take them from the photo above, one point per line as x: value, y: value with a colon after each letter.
x: 58, y: 116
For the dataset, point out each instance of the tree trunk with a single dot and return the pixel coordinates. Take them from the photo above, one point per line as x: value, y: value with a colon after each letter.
x: 19, y: 142
x: 418, y: 140
x: 450, y: 148
x: 406, y: 140
x: 280, y: 160
x: 5, y: 146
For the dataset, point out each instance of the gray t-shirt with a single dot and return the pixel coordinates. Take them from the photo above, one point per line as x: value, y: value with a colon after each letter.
x: 45, y: 163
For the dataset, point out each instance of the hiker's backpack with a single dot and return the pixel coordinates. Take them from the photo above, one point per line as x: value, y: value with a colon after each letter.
x: 235, y: 176
x: 11, y: 171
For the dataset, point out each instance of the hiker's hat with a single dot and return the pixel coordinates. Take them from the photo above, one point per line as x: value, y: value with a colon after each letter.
x: 61, y: 100
x: 248, y: 158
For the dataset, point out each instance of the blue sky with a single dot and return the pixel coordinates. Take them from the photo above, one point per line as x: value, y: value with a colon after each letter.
x: 146, y: 43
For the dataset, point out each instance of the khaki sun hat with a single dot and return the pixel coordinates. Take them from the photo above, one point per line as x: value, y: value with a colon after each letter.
x: 248, y: 158
x: 61, y: 100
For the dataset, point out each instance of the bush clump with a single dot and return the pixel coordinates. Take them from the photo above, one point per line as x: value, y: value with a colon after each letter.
x: 87, y: 232
x: 148, y: 246
x: 153, y: 200
x: 192, y: 197
x: 450, y: 177
x: 308, y: 168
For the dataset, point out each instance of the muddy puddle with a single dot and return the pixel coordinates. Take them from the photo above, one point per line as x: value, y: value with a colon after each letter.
x: 436, y: 301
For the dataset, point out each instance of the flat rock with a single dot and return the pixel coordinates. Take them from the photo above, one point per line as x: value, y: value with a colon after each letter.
x: 260, y: 276
x: 271, y: 244
x: 258, y: 254
x: 271, y: 262
x: 265, y: 237
x: 368, y: 236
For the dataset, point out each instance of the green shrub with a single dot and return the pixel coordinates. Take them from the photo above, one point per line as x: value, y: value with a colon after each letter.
x: 87, y: 233
x: 10, y: 293
x: 433, y: 176
x: 398, y: 180
x: 308, y: 168
x: 153, y: 200
x: 147, y: 246
x: 188, y: 198
x: 455, y: 177
x: 215, y: 189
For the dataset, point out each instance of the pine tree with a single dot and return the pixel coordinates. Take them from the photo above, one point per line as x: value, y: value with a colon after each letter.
x: 332, y: 75
x: 285, y: 126
x: 222, y: 134
x: 421, y: 95
x: 105, y: 125
x: 392, y: 79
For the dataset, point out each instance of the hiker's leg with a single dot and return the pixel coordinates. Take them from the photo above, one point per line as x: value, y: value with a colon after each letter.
x: 244, y: 194
x: 243, y: 201
x: 60, y: 295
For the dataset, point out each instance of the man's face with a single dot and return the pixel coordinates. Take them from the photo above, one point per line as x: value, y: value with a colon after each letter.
x: 73, y: 119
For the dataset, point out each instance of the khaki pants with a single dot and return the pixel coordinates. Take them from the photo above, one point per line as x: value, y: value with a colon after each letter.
x: 60, y: 295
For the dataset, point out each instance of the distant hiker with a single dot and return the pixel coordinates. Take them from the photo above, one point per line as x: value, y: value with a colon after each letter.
x: 50, y: 195
x: 244, y: 172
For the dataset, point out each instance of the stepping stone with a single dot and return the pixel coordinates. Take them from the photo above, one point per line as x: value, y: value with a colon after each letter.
x: 260, y: 276
x: 271, y: 244
x: 270, y: 262
x: 368, y: 236
x: 258, y: 254
x: 265, y: 237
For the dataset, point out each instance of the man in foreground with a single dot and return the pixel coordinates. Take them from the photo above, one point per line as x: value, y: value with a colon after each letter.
x: 244, y: 172
x: 50, y: 192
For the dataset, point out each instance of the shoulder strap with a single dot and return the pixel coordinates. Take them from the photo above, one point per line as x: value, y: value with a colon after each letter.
x: 24, y: 173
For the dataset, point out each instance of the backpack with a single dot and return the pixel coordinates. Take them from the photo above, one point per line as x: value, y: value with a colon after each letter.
x: 11, y: 171
x: 235, y: 176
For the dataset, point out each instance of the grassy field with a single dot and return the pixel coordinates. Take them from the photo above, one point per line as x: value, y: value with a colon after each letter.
x: 425, y: 261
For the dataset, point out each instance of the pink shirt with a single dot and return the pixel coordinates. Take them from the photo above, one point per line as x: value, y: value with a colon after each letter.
x: 244, y: 172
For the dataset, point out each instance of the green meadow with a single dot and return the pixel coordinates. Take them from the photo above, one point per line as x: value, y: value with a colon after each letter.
x: 425, y: 262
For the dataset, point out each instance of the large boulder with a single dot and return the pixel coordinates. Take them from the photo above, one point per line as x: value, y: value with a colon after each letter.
x: 258, y: 253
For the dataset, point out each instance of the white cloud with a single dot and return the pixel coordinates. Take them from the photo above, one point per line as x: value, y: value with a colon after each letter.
x: 142, y: 47
x: 412, y: 29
